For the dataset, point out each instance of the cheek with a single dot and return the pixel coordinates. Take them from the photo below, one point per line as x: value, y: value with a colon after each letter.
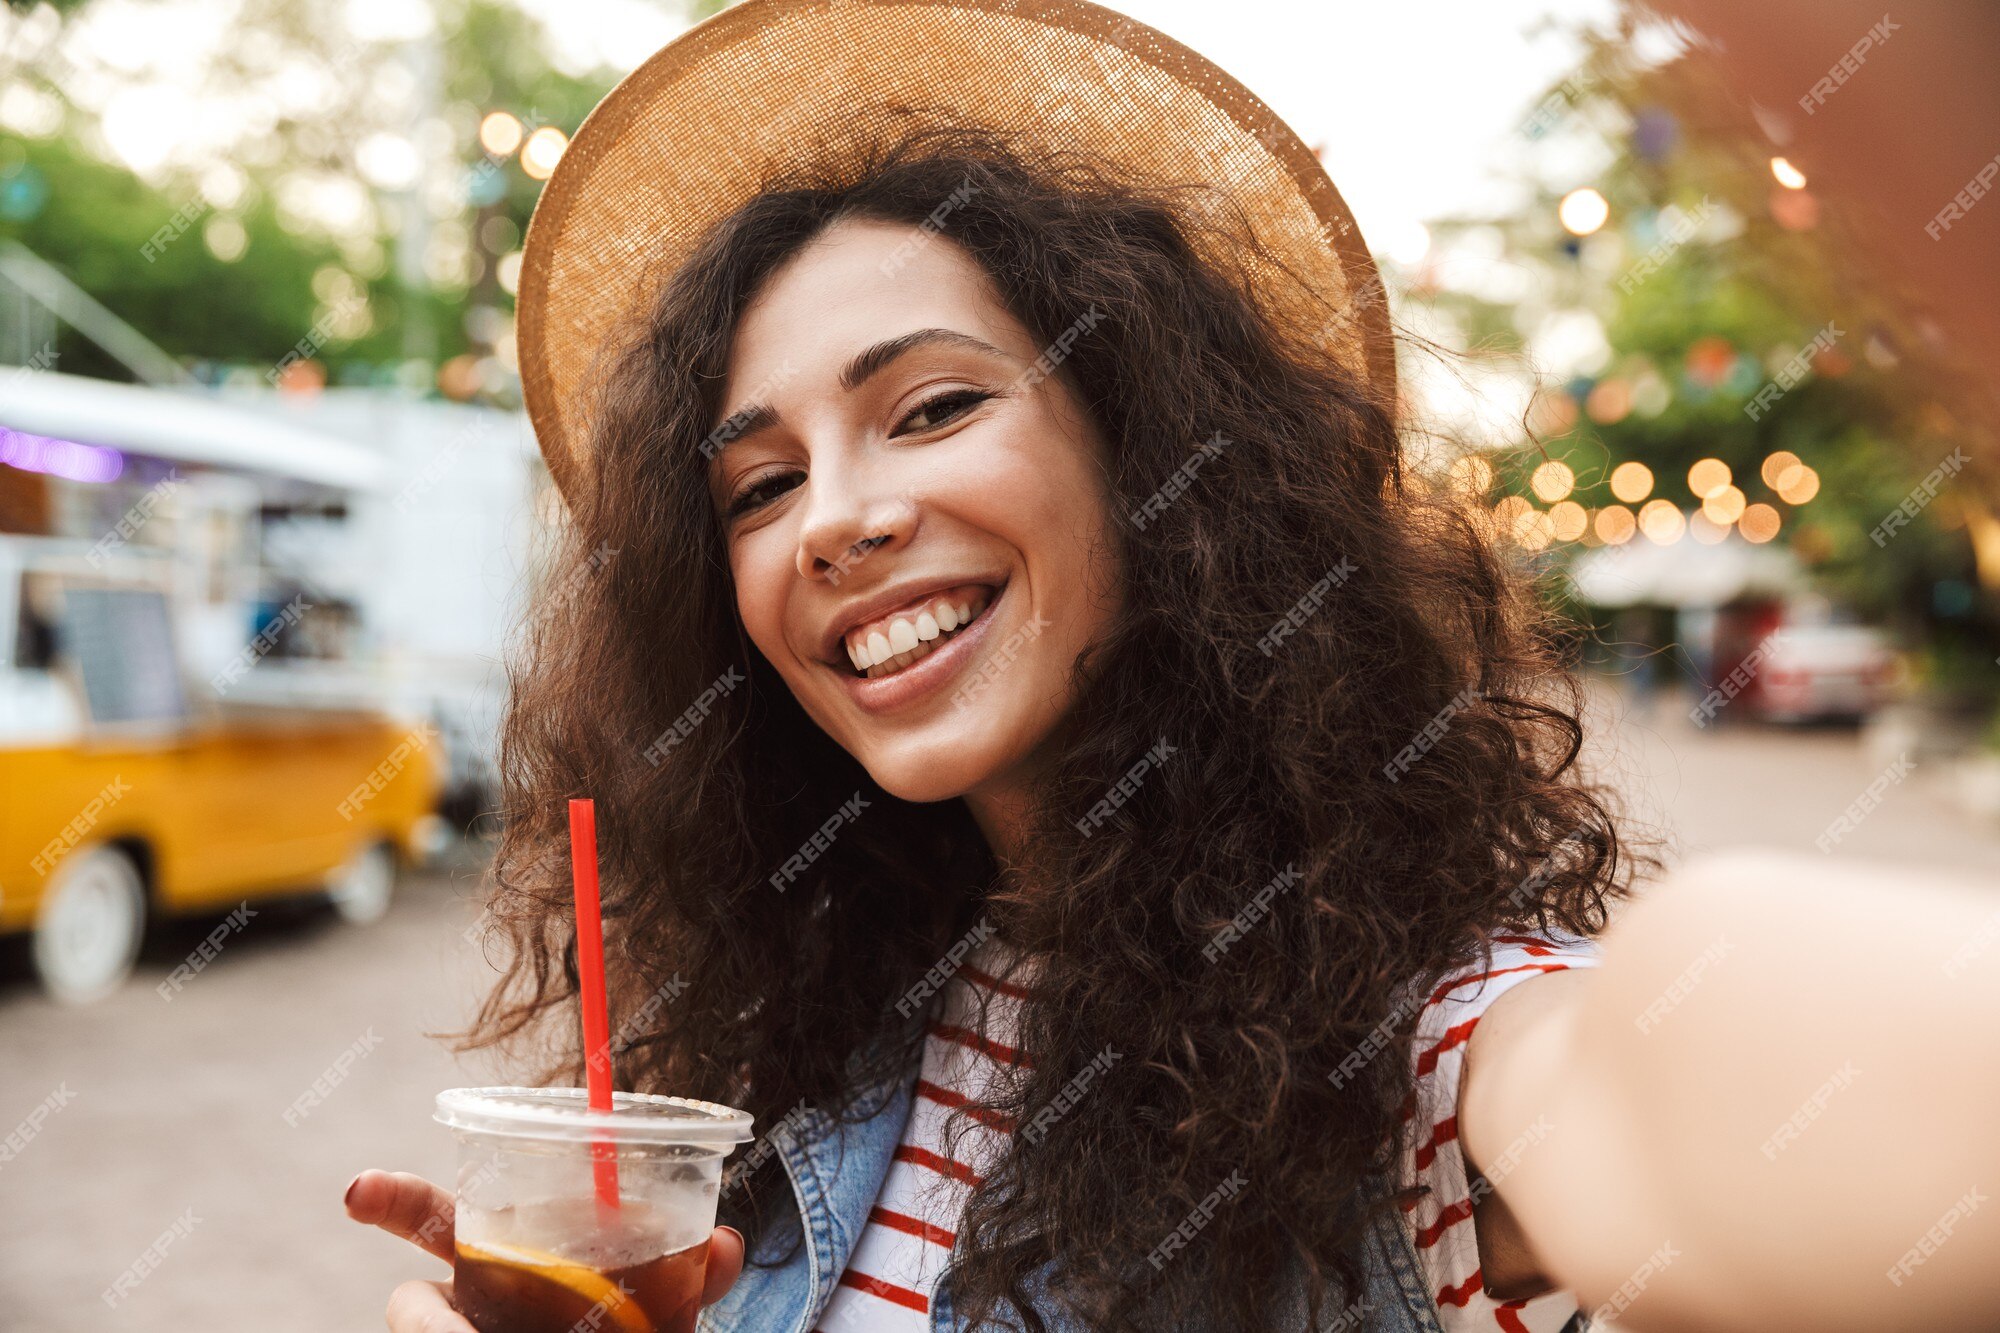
x: 761, y: 570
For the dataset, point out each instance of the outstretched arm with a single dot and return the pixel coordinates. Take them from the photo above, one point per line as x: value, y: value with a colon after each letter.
x: 1774, y: 1105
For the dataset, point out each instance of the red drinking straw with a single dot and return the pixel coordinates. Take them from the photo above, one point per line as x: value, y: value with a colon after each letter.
x: 590, y: 979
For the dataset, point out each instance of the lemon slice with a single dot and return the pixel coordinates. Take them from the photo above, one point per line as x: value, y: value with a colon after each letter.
x: 622, y: 1312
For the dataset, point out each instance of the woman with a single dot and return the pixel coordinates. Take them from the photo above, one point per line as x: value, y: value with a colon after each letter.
x: 1113, y: 825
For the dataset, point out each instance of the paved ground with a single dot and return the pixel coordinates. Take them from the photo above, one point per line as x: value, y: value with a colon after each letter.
x: 175, y: 1122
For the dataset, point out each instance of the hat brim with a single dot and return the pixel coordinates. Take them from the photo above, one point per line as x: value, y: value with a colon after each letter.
x: 709, y: 119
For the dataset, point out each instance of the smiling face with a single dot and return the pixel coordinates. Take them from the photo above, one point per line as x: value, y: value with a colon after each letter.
x: 916, y: 517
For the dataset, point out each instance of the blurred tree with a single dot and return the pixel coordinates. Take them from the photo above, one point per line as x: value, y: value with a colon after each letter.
x: 1735, y: 326
x: 355, y: 215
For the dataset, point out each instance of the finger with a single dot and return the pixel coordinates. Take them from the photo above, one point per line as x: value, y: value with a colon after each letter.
x: 725, y: 1262
x: 404, y: 1205
x: 424, y: 1307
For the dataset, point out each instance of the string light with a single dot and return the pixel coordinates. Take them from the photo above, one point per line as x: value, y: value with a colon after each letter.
x: 1615, y: 525
x: 1775, y: 467
x: 1583, y: 211
x: 1632, y: 482
x: 1661, y: 522
x: 1723, y: 507
x: 1552, y: 481
x: 1760, y: 523
x: 1707, y: 477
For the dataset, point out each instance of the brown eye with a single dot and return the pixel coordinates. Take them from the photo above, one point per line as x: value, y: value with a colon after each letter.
x: 762, y: 491
x: 935, y: 411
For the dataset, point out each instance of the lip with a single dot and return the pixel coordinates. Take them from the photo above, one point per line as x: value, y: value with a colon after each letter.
x: 833, y: 647
x: 928, y: 674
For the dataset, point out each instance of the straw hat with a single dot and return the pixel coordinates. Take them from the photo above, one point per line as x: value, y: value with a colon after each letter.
x: 749, y: 94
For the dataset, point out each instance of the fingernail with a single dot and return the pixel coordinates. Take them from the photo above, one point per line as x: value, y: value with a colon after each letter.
x: 347, y: 1199
x: 734, y: 1232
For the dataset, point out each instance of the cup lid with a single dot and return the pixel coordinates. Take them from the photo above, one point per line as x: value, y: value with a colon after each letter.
x: 564, y: 1114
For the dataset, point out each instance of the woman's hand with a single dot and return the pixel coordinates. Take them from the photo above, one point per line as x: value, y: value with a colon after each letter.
x: 421, y: 1213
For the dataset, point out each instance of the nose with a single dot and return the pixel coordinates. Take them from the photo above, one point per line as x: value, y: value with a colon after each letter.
x: 848, y: 520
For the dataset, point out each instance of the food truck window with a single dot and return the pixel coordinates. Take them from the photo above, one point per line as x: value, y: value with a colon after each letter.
x: 121, y: 640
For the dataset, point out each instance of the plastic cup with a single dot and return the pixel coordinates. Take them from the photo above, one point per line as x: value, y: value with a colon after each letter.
x: 538, y: 1251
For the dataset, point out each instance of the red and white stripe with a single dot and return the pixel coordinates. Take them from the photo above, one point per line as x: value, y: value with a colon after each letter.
x: 903, y: 1250
x: 1440, y: 1223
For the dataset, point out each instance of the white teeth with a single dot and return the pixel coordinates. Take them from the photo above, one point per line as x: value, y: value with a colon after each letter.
x: 947, y: 617
x: 965, y: 613
x: 927, y: 626
x: 906, y: 638
x: 854, y: 655
x: 902, y: 636
x: 878, y: 648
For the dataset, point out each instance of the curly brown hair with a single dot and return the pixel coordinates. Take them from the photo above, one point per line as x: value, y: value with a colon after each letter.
x: 1404, y: 754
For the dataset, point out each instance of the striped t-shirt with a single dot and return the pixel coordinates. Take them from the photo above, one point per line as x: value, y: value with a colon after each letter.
x: 1440, y: 1223
x: 907, y: 1243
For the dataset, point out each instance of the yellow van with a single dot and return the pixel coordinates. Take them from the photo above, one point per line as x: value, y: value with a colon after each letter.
x: 126, y: 791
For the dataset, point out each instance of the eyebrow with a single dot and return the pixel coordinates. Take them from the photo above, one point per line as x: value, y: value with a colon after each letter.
x: 865, y: 364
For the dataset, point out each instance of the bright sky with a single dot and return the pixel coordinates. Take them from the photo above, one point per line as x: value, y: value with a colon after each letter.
x: 1415, y: 101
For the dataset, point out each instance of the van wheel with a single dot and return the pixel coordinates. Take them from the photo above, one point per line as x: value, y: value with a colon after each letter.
x: 361, y: 888
x: 91, y: 922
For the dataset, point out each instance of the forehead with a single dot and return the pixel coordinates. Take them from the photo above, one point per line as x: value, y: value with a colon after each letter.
x: 854, y: 285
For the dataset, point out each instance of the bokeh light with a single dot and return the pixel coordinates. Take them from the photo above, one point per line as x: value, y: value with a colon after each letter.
x: 1787, y: 175
x: 1568, y: 520
x: 1760, y: 523
x: 1552, y: 481
x: 1632, y: 482
x: 1583, y: 211
x: 542, y: 151
x: 1705, y: 529
x: 1707, y: 477
x: 1661, y: 522
x: 1724, y: 507
x: 1775, y: 467
x: 1471, y: 474
x: 500, y: 133
x: 1798, y: 485
x: 1615, y: 525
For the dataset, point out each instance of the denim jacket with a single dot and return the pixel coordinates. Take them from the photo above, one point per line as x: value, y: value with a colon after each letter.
x: 835, y: 1178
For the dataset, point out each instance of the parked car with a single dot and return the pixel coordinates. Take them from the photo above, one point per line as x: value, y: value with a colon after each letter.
x: 1816, y: 672
x: 128, y: 791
